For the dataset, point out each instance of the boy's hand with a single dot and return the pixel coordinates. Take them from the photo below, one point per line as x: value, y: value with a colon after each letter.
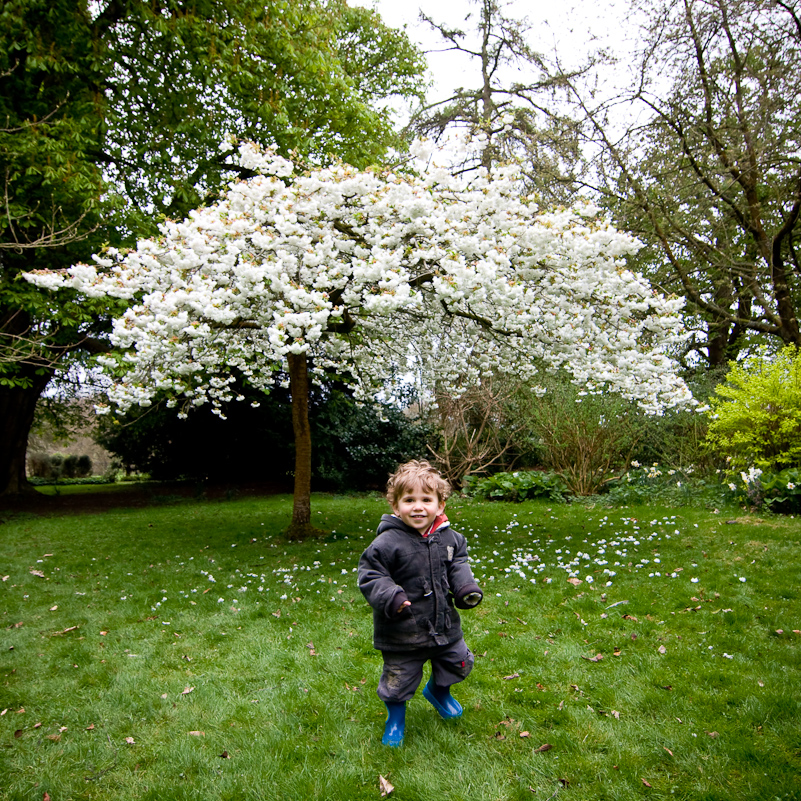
x: 403, y: 606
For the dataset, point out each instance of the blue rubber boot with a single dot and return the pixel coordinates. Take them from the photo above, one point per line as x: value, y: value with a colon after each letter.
x: 396, y: 724
x: 442, y: 700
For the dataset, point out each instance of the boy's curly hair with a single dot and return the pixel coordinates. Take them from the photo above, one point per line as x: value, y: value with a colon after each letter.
x: 417, y: 473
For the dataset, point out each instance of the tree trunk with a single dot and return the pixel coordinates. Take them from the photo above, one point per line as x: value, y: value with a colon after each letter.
x: 301, y: 527
x: 17, y: 406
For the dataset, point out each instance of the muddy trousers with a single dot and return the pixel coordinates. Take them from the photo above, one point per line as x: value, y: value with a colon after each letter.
x: 403, y: 670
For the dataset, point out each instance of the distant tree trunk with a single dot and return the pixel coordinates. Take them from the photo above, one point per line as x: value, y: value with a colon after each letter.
x: 17, y: 406
x: 301, y: 527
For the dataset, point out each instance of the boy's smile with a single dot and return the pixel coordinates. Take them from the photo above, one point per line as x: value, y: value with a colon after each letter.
x: 418, y: 508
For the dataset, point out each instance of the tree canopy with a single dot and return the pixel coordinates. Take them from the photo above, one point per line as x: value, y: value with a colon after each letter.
x: 510, y: 103
x: 700, y: 158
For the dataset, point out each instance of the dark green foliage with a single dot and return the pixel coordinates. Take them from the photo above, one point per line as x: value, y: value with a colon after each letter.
x: 517, y: 486
x: 355, y: 447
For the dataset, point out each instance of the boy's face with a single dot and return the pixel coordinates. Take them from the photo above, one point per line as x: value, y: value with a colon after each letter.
x: 418, y: 508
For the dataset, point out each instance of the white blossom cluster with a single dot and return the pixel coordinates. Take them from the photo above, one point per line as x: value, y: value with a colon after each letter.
x: 377, y: 273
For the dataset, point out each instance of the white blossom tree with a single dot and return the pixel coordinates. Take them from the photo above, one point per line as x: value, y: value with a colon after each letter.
x: 373, y: 275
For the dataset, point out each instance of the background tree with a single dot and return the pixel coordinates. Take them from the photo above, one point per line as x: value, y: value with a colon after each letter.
x: 511, y: 107
x: 111, y: 117
x: 370, y: 275
x: 709, y: 174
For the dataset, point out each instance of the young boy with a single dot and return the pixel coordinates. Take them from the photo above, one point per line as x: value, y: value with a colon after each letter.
x: 412, y: 574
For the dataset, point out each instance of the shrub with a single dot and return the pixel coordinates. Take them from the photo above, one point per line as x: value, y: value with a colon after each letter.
x: 517, y: 486
x: 585, y: 438
x: 55, y: 466
x: 756, y: 414
x: 38, y: 465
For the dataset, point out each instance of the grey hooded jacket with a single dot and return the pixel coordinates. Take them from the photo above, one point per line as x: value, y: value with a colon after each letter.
x: 431, y: 572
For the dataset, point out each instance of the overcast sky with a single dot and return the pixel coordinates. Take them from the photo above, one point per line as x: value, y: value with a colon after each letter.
x: 574, y: 27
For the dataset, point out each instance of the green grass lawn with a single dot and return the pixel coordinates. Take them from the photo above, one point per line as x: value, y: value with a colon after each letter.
x: 187, y: 651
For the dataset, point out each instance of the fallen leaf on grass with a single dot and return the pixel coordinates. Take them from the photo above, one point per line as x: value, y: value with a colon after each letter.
x: 543, y: 748
x: 90, y: 727
x: 198, y: 733
x: 385, y: 786
x: 277, y: 613
x: 54, y: 608
x: 46, y: 796
x: 525, y: 734
x: 662, y: 649
x: 615, y: 714
x: 630, y: 617
x: 37, y: 573
x: 668, y: 750
x: 187, y: 690
x: 21, y: 710
x: 712, y: 734
x: 646, y: 783
x: 616, y: 652
x: 596, y: 658
x: 18, y: 734
x: 511, y: 676
x: 574, y: 581
x: 54, y: 737
x: 130, y: 740
x: 37, y: 725
x: 224, y: 755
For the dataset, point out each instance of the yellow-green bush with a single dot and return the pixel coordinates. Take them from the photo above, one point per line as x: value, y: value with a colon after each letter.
x: 756, y: 414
